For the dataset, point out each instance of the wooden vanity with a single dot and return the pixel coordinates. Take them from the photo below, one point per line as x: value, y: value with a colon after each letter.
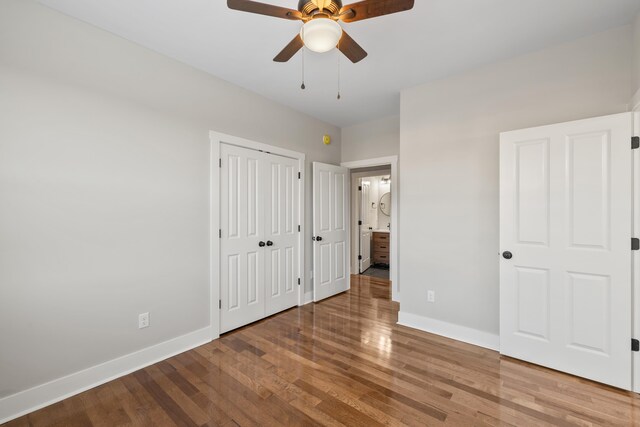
x: 380, y: 247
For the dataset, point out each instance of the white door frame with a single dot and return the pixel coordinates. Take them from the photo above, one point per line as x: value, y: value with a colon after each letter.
x: 217, y: 138
x: 635, y: 262
x: 395, y: 225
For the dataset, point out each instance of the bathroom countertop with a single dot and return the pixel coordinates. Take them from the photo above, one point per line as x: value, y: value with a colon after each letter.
x: 381, y: 231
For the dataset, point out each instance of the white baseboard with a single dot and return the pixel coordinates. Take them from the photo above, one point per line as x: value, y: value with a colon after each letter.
x: 308, y: 297
x: 27, y: 401
x: 450, y: 330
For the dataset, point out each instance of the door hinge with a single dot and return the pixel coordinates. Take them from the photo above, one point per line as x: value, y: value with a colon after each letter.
x: 298, y: 281
x: 298, y: 229
x: 220, y: 233
x: 220, y: 162
x: 219, y: 303
x: 635, y: 142
x: 635, y: 344
x: 359, y: 257
x: 299, y: 175
x: 359, y: 187
x: 635, y: 244
x: 359, y: 222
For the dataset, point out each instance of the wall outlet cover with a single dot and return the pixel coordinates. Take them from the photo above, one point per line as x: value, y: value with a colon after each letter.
x: 431, y: 296
x: 143, y: 320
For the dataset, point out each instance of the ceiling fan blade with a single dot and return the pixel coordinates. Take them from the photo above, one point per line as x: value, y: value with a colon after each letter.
x: 264, y: 9
x: 373, y: 8
x: 291, y: 49
x: 351, y: 49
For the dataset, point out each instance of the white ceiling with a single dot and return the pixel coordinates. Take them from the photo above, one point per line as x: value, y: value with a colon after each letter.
x: 437, y: 38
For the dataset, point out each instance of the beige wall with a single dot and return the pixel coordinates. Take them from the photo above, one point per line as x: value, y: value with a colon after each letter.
x: 369, y: 140
x: 449, y: 172
x: 104, y: 190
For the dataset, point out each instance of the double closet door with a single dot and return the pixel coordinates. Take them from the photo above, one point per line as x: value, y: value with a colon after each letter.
x: 259, y: 238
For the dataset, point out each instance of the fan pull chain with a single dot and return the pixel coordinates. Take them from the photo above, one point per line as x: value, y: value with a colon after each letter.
x: 339, y: 83
x: 303, y: 87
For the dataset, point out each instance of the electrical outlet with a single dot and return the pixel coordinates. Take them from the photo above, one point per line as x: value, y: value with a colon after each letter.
x: 431, y: 296
x: 143, y: 320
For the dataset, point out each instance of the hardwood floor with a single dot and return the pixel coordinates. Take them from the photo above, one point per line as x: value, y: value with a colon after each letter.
x: 343, y: 361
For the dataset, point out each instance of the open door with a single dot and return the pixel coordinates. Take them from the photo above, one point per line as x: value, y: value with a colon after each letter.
x: 364, y: 254
x: 330, y: 230
x: 565, y: 233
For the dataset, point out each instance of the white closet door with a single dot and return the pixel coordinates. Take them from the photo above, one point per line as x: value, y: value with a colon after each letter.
x: 330, y: 229
x: 281, y: 233
x: 242, y: 278
x: 565, y: 229
x: 365, y: 228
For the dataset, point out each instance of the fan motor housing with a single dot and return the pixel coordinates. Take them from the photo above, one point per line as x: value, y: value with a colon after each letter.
x: 308, y: 7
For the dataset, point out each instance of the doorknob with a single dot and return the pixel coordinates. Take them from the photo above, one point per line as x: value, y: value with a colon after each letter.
x: 507, y: 255
x: 318, y: 239
x: 269, y: 243
x: 261, y: 244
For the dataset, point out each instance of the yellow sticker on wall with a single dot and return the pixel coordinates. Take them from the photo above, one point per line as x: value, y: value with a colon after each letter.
x: 326, y: 139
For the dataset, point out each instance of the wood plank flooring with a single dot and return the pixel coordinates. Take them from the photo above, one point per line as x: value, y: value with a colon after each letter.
x: 342, y: 362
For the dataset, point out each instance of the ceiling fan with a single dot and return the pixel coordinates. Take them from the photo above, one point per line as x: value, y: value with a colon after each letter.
x: 321, y: 31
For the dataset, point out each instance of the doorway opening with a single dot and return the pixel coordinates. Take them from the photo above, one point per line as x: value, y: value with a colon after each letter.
x: 374, y: 219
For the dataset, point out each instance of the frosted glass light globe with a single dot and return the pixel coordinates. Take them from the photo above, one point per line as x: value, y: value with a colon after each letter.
x: 321, y: 34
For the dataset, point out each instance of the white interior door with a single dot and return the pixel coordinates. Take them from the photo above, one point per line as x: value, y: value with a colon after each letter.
x: 365, y: 228
x: 281, y: 233
x: 242, y: 229
x: 330, y: 230
x: 565, y: 215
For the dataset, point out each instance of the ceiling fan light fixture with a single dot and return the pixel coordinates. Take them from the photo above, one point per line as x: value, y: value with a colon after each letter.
x: 321, y: 34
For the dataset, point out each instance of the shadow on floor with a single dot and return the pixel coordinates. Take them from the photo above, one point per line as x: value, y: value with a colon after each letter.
x: 377, y: 271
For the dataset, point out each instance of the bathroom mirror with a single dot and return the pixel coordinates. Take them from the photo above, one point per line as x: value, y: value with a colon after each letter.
x: 385, y: 204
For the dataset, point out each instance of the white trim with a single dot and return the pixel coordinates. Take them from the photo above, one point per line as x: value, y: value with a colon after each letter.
x: 356, y: 207
x: 635, y: 103
x: 450, y: 330
x: 308, y: 297
x: 30, y: 400
x: 635, y: 260
x: 394, y: 267
x: 378, y: 161
x: 214, y: 242
x: 217, y: 138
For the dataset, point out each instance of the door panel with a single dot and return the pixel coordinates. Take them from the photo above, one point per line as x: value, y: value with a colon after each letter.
x: 565, y: 214
x: 588, y: 308
x: 533, y: 302
x: 533, y: 180
x: 330, y: 219
x: 365, y: 228
x: 282, y: 217
x: 589, y: 176
x: 365, y: 250
x: 242, y: 222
